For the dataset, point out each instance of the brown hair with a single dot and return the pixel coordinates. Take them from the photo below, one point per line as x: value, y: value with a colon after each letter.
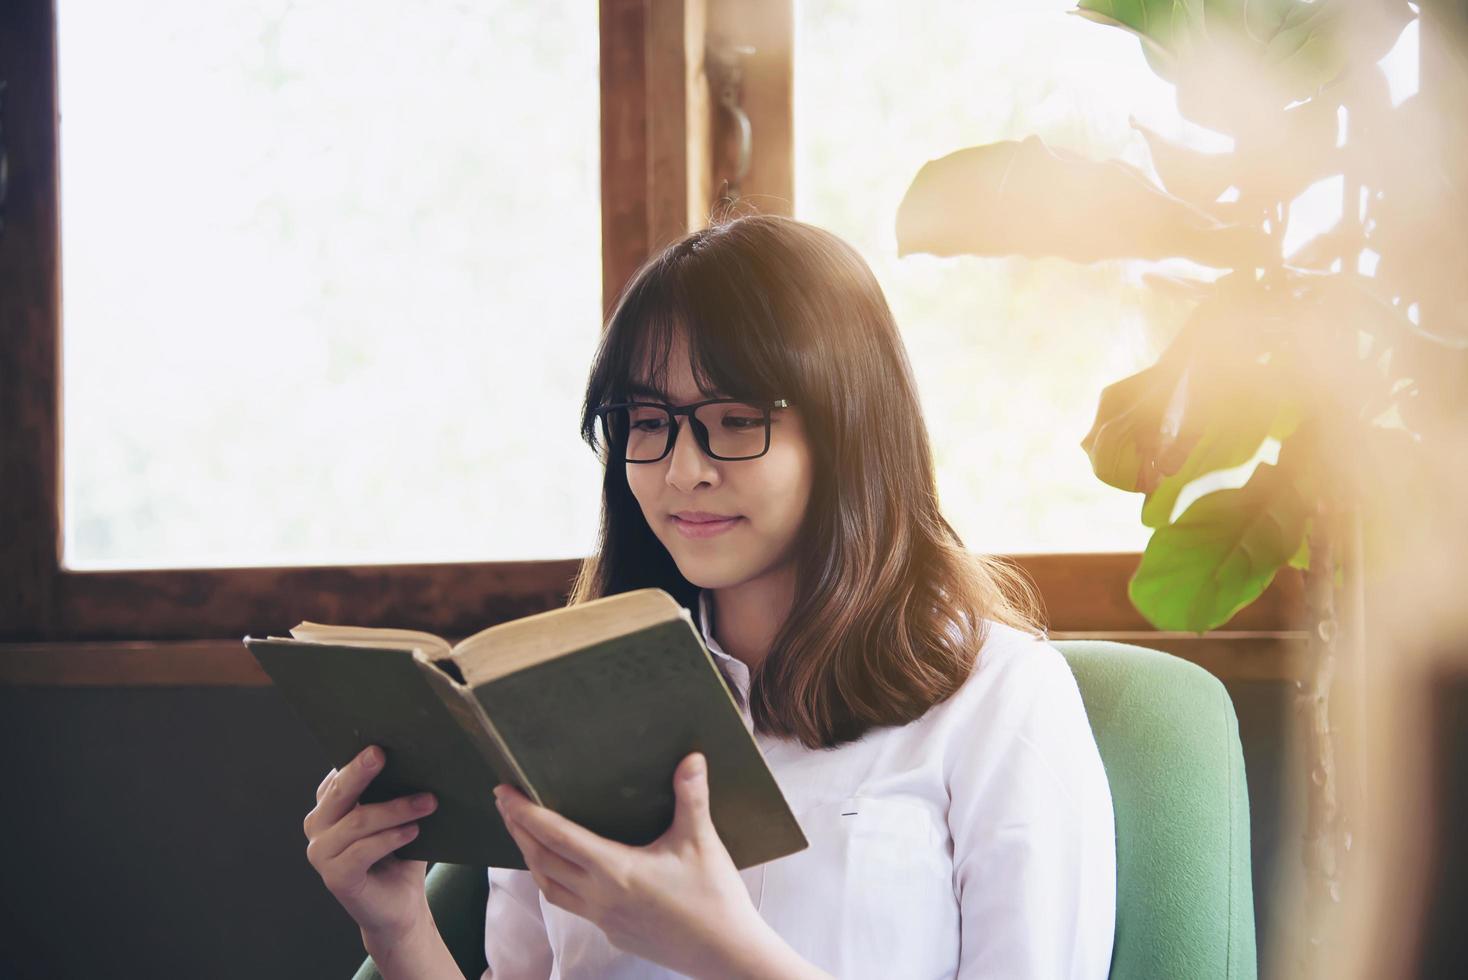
x: 890, y: 609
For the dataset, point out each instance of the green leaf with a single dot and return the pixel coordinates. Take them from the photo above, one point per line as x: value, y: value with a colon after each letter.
x: 1131, y: 17
x: 1208, y: 403
x: 1229, y: 441
x: 1221, y: 554
x: 1123, y: 440
x: 1313, y: 40
x: 1167, y: 25
x: 1240, y: 404
x: 1230, y: 59
x: 1025, y: 198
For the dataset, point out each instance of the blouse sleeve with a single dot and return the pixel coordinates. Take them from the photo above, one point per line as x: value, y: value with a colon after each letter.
x: 1034, y: 842
x: 515, y: 943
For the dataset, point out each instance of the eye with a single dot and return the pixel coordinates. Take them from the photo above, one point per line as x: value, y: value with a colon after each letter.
x: 740, y: 418
x: 647, y: 419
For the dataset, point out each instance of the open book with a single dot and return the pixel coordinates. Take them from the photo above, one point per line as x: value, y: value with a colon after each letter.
x: 586, y: 709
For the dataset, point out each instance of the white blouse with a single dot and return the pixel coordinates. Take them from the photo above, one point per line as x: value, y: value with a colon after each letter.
x: 976, y: 841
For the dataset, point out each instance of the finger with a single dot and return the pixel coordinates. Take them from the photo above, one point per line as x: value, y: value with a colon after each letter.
x: 565, y: 837
x: 361, y: 856
x: 555, y: 890
x: 343, y: 792
x: 562, y: 897
x: 313, y: 818
x: 321, y: 790
x: 691, y: 795
x: 546, y: 862
x: 367, y: 819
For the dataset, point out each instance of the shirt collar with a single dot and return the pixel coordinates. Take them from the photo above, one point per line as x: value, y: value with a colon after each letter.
x: 705, y: 621
x: 733, y: 669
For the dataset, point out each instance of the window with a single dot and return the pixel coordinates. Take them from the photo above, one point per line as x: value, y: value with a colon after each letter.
x: 330, y: 281
x: 266, y: 75
x: 169, y: 376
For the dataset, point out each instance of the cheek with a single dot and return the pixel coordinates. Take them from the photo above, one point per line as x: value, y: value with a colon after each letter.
x: 645, y: 483
x: 640, y: 485
x: 784, y: 496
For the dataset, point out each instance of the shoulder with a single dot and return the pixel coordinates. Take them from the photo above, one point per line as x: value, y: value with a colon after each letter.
x: 1016, y: 676
x: 1018, y: 721
x: 1020, y: 700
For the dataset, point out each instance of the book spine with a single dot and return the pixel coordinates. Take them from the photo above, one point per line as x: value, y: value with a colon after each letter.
x: 462, y: 704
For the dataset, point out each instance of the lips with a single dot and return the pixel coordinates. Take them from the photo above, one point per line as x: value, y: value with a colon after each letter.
x: 699, y: 524
x: 702, y: 517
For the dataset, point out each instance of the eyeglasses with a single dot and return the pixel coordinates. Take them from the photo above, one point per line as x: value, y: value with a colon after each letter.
x: 725, y: 428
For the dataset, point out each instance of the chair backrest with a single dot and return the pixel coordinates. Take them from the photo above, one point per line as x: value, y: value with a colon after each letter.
x: 1169, y: 739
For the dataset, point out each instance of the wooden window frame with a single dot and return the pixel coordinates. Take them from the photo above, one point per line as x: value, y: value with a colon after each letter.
x: 61, y: 626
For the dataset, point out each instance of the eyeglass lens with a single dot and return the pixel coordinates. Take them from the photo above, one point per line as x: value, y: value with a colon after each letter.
x: 735, y: 430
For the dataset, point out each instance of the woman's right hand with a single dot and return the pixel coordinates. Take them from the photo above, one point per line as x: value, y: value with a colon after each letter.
x: 350, y: 845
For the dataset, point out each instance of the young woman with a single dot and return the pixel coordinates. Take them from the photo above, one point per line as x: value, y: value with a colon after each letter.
x: 768, y: 465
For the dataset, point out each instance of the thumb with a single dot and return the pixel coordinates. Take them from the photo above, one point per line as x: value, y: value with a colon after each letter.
x: 691, y: 792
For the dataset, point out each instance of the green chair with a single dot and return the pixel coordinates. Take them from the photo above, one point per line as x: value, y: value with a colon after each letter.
x: 1169, y: 739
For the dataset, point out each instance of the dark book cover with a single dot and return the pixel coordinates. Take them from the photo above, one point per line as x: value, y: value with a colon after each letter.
x: 594, y: 734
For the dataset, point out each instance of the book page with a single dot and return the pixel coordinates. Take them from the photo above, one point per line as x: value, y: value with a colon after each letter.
x: 433, y: 647
x: 508, y: 647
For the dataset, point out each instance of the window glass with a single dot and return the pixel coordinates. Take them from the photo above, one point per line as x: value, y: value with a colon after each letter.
x: 331, y: 280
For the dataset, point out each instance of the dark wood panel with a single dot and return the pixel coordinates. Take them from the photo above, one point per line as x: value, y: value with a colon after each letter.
x: 30, y: 519
x: 1081, y: 592
x: 624, y: 163
x: 1088, y: 593
x: 768, y: 97
x: 173, y: 609
x: 227, y: 603
x: 674, y: 51
x: 1243, y: 656
x: 226, y: 663
x: 177, y: 663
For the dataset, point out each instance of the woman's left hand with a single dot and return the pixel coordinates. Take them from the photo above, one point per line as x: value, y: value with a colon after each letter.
x: 678, y: 901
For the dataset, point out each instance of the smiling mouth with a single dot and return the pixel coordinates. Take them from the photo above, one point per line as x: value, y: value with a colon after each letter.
x: 703, y: 529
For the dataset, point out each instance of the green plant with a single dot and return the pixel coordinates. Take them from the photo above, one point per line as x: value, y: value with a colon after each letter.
x: 1332, y: 363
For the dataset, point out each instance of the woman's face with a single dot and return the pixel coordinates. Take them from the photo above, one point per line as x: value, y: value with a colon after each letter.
x: 767, y: 496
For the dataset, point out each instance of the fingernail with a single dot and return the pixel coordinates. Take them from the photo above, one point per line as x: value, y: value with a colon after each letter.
x: 695, y: 768
x: 369, y: 758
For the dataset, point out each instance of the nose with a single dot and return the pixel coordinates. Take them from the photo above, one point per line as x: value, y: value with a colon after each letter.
x: 688, y: 466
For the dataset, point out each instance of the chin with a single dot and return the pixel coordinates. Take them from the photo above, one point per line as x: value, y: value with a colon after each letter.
x: 709, y: 574
x: 708, y: 579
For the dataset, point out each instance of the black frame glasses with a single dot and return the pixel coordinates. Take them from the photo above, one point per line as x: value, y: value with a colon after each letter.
x: 700, y: 432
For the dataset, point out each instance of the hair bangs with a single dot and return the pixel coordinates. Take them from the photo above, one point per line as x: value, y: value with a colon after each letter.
x: 731, y: 334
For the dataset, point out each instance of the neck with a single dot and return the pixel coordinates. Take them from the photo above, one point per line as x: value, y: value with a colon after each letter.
x: 747, y: 616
